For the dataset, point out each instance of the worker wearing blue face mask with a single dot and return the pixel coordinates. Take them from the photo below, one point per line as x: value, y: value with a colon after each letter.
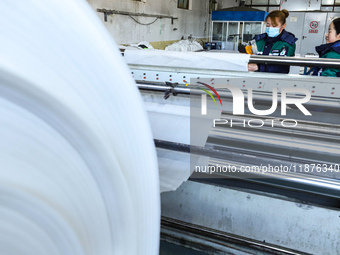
x: 275, y: 42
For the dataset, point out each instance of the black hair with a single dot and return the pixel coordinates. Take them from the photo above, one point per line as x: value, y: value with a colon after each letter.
x: 336, y: 23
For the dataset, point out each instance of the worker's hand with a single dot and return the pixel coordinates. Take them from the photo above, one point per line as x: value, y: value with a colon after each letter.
x: 252, y: 67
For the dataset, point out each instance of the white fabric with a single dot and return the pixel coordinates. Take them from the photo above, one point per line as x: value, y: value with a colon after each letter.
x: 171, y: 121
x: 206, y: 60
x: 176, y: 167
x: 78, y: 168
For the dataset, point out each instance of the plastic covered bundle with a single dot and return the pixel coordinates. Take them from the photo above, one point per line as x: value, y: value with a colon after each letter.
x: 137, y: 46
x: 184, y: 45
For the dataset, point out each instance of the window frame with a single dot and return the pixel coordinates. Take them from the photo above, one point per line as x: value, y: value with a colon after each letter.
x: 187, y: 7
x: 267, y: 6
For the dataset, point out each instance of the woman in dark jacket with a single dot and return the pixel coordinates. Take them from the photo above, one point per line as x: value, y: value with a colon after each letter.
x: 275, y: 42
x: 330, y: 50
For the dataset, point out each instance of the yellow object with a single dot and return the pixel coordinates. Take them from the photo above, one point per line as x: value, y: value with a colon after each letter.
x: 248, y: 50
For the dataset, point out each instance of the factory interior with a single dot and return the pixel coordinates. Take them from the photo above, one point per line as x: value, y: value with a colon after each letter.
x: 170, y: 127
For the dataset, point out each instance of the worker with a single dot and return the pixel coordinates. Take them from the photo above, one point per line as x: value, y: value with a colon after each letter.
x: 330, y: 50
x: 275, y: 42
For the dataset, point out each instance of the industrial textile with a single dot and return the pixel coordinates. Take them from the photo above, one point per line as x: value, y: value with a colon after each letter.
x: 79, y: 170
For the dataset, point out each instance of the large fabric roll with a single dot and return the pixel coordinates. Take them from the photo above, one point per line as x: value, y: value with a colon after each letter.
x: 78, y: 168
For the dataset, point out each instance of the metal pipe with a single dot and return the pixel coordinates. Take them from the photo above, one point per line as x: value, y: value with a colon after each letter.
x: 291, y: 180
x: 215, y: 240
x: 261, y: 59
x: 261, y: 97
x: 284, y: 147
x: 110, y: 12
x: 294, y: 61
x: 296, y: 179
x: 304, y: 127
x: 162, y: 88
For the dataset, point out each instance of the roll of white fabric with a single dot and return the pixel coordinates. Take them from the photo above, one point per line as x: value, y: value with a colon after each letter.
x: 202, y: 60
x: 78, y: 168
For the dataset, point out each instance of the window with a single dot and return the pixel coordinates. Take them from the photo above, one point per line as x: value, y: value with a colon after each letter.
x: 183, y: 4
x: 330, y: 5
x: 264, y: 5
x: 250, y: 29
x: 260, y: 2
x: 218, y: 31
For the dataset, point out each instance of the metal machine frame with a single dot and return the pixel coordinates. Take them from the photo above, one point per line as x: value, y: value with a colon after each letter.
x: 241, y: 213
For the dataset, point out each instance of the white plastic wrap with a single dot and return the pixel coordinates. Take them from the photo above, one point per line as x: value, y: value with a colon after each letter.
x: 171, y: 122
x: 184, y: 45
x: 206, y: 60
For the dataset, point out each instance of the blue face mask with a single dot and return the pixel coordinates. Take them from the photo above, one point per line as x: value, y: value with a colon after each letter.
x: 272, y: 31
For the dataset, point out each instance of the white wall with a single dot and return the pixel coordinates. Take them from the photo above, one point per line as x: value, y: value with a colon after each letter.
x: 298, y: 5
x: 125, y: 30
x: 228, y: 3
x: 194, y: 22
x: 290, y: 5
